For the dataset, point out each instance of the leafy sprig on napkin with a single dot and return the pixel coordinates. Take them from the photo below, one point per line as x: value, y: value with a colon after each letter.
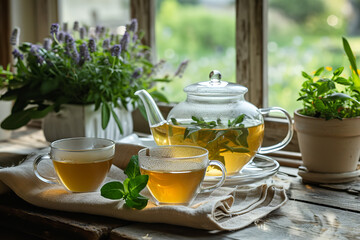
x: 129, y: 190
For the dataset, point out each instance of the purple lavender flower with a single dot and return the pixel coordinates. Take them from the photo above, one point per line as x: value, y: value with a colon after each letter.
x: 68, y: 38
x: 65, y: 27
x: 106, y: 44
x: 157, y: 67
x: 135, y: 37
x: 181, y: 69
x: 15, y: 35
x: 69, y: 44
x: 84, y: 54
x: 82, y: 32
x: 115, y: 50
x: 34, y: 50
x: 76, y: 26
x: 124, y: 41
x: 47, y: 43
x: 75, y: 56
x: 61, y: 36
x: 54, y: 29
x: 17, y: 54
x: 133, y: 25
x: 137, y: 73
x: 92, y: 45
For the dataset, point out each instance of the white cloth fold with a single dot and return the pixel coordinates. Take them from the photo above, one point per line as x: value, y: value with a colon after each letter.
x: 223, y: 209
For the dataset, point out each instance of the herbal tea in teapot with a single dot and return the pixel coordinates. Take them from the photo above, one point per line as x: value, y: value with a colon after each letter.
x: 215, y: 116
x: 232, y: 144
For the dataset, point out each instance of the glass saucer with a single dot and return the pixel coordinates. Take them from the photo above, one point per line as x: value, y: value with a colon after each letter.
x: 259, y: 168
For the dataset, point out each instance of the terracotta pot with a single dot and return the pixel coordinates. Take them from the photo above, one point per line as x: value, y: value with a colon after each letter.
x: 328, y: 146
x: 83, y: 121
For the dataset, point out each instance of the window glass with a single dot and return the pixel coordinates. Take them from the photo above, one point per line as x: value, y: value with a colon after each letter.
x: 304, y: 36
x: 202, y: 31
x: 113, y: 14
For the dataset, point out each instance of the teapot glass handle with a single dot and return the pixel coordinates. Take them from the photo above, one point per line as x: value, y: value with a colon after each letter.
x: 287, y: 139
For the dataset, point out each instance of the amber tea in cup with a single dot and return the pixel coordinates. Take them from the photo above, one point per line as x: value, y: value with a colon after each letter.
x: 176, y: 173
x: 81, y: 164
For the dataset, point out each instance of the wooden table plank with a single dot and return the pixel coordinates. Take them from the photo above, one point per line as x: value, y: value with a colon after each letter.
x: 323, y: 196
x: 295, y: 220
x: 21, y: 216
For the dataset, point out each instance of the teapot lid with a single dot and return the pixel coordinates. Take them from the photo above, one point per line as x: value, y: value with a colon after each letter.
x: 215, y: 86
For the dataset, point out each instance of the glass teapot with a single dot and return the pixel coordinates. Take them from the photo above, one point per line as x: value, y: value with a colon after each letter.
x: 215, y: 116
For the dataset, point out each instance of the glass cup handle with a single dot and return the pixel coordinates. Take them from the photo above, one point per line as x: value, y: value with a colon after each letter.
x: 287, y: 139
x: 222, y: 180
x: 38, y: 159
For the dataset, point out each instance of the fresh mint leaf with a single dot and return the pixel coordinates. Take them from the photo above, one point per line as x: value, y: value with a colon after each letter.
x: 137, y: 202
x: 130, y: 188
x: 242, y: 138
x: 237, y: 149
x: 190, y: 130
x: 343, y: 81
x: 112, y: 190
x: 338, y: 71
x: 238, y: 120
x: 319, y: 71
x: 126, y: 186
x: 307, y: 76
x: 174, y: 121
x: 137, y: 184
x: 133, y: 169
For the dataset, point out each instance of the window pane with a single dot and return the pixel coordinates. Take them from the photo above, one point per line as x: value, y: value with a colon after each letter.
x: 109, y: 13
x: 304, y: 36
x: 202, y: 31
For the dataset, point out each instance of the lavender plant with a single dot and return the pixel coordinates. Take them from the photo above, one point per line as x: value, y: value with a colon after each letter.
x: 76, y: 68
x: 322, y: 96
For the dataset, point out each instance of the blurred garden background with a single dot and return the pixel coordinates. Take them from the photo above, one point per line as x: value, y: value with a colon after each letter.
x: 302, y: 36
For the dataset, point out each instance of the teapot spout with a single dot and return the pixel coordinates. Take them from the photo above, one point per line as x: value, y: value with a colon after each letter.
x: 153, y: 113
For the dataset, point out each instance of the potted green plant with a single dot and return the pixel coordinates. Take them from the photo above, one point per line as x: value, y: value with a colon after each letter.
x: 328, y: 125
x: 86, y: 74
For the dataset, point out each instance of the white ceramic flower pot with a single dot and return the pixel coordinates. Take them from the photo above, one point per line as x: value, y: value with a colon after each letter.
x: 328, y: 146
x: 84, y: 121
x: 5, y: 110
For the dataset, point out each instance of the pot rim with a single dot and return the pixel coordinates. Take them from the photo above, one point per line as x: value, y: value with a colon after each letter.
x: 347, y: 127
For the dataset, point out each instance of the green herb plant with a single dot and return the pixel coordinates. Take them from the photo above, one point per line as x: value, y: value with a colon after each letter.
x: 333, y: 97
x: 73, y: 67
x: 216, y: 136
x: 130, y: 188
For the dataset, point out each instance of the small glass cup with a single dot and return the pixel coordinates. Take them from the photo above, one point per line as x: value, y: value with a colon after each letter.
x: 81, y: 164
x: 176, y: 173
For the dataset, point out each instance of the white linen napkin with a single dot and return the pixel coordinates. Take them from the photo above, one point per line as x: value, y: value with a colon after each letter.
x: 223, y: 209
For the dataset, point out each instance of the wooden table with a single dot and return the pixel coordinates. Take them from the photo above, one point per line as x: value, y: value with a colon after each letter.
x: 312, y: 212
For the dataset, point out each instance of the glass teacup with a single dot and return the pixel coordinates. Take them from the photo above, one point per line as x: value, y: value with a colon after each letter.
x: 81, y: 164
x: 176, y: 173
